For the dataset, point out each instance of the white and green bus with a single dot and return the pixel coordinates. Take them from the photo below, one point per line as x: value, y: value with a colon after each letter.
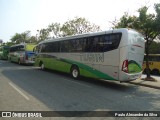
x: 22, y: 53
x: 111, y: 55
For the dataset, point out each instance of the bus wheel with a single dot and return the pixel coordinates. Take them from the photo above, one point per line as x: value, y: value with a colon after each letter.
x: 155, y: 72
x: 75, y: 72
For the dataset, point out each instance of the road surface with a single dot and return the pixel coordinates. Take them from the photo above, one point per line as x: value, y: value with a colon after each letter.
x: 27, y: 88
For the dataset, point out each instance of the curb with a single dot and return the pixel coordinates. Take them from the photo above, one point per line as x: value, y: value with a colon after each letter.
x: 145, y: 85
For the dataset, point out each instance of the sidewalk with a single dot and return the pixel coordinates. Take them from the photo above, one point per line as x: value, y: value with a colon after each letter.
x: 151, y: 84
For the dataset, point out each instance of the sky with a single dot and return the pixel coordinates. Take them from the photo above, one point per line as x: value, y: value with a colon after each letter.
x: 18, y: 16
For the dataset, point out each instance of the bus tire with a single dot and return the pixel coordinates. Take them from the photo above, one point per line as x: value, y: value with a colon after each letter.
x: 42, y: 66
x: 75, y: 72
x: 155, y: 72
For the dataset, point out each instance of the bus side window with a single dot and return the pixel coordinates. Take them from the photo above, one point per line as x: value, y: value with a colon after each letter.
x: 87, y: 45
x: 64, y: 46
x: 96, y: 44
x: 92, y: 44
x: 105, y: 43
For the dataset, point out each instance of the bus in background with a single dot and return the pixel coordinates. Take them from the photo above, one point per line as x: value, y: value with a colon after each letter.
x: 154, y: 64
x: 4, y: 50
x: 22, y: 53
x: 111, y: 55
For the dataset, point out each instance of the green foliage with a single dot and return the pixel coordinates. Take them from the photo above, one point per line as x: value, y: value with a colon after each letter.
x: 17, y: 38
x: 9, y: 43
x: 147, y: 24
x: 55, y: 30
x: 70, y: 27
x: 154, y: 48
x: 23, y: 37
x: 78, y: 26
x: 43, y: 34
x: 125, y: 21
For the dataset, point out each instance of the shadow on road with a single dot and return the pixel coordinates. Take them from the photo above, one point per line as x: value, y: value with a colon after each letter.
x: 60, y: 92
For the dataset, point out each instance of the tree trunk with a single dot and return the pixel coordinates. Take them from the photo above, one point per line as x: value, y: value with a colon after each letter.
x: 147, y: 60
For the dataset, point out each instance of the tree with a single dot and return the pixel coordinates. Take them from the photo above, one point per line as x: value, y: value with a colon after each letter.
x: 9, y: 43
x: 147, y: 24
x: 43, y: 34
x: 32, y: 39
x: 154, y: 48
x: 70, y: 27
x: 78, y: 26
x: 17, y: 38
x: 55, y: 30
x: 24, y: 37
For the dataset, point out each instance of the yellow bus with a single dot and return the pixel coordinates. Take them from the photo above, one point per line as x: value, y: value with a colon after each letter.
x: 154, y: 64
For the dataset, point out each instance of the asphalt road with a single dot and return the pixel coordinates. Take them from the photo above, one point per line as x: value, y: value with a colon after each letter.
x: 26, y: 88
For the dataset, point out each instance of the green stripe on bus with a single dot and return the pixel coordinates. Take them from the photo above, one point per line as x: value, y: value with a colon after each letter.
x: 89, y: 71
x: 64, y: 65
x: 134, y: 67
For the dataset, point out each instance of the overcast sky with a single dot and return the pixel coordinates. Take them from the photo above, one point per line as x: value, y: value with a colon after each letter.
x: 17, y: 16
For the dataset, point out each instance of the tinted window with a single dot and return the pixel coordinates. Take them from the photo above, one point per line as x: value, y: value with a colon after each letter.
x: 64, y: 46
x: 100, y: 43
x: 55, y: 47
x: 17, y: 48
x: 50, y: 47
x: 76, y: 45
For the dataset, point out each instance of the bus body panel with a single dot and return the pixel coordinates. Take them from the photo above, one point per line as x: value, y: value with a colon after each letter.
x: 103, y: 65
x: 26, y: 57
x: 88, y: 67
x: 135, y: 61
x: 132, y: 54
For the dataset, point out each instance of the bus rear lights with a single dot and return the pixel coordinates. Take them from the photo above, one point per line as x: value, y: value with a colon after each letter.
x: 125, y: 66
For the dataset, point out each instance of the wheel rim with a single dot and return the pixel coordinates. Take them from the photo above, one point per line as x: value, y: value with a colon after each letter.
x: 75, y: 73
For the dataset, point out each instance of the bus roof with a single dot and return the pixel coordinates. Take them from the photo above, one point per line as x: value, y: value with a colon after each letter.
x: 23, y: 44
x: 86, y: 35
x: 154, y: 54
